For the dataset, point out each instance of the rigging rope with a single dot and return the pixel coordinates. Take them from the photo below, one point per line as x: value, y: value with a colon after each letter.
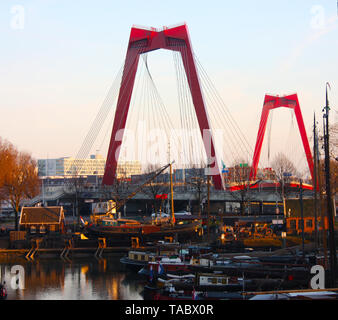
x: 150, y: 107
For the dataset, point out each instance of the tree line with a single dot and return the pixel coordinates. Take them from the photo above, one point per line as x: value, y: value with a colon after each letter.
x: 19, y: 179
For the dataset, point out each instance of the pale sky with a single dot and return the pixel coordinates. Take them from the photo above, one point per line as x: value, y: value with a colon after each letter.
x: 59, y: 58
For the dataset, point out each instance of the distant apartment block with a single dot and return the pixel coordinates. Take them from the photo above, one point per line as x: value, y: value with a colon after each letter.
x: 126, y: 169
x: 95, y: 165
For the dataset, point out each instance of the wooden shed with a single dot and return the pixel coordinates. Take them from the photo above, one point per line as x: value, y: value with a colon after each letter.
x: 42, y: 220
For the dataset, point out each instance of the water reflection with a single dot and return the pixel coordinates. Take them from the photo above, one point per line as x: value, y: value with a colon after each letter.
x: 88, y: 279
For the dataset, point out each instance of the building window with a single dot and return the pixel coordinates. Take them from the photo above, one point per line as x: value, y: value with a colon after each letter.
x: 309, y: 223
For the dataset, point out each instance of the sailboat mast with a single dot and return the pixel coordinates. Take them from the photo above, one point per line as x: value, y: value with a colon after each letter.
x: 171, y: 187
x: 333, y: 256
x: 172, y: 195
x: 315, y: 180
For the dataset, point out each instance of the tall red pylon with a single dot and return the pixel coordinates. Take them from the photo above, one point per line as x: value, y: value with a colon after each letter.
x: 274, y: 102
x: 142, y: 41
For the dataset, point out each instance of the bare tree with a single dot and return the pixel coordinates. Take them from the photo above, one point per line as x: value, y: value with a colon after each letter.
x: 333, y: 176
x: 7, y: 158
x: 120, y: 187
x: 239, y: 175
x: 333, y: 149
x: 198, y: 180
x: 284, y: 171
x: 334, y: 141
x: 156, y: 186
x: 19, y: 178
x: 282, y: 165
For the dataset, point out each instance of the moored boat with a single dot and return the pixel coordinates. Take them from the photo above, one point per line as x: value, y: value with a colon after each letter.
x: 165, y: 265
x: 123, y: 231
x: 299, y: 295
x: 108, y: 226
x: 137, y: 259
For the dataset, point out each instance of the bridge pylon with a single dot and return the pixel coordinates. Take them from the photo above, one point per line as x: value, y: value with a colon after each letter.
x: 274, y: 102
x: 144, y: 40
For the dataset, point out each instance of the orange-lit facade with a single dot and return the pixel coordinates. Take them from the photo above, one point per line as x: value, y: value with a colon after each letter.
x: 294, y: 225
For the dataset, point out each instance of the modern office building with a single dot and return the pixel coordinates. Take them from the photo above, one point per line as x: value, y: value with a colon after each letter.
x: 125, y: 169
x: 68, y: 167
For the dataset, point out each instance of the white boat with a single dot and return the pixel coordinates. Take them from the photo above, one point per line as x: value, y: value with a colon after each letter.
x: 305, y: 295
x: 182, y: 213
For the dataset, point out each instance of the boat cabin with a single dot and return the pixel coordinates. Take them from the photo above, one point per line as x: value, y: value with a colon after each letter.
x: 204, y: 279
x: 118, y: 222
x: 201, y: 262
x: 103, y: 207
x: 169, y: 264
x: 141, y: 256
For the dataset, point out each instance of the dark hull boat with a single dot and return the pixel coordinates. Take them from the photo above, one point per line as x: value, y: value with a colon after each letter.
x: 129, y: 231
x: 144, y: 232
x: 166, y: 295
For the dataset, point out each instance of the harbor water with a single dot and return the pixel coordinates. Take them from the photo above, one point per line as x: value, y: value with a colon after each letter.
x: 85, y: 279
